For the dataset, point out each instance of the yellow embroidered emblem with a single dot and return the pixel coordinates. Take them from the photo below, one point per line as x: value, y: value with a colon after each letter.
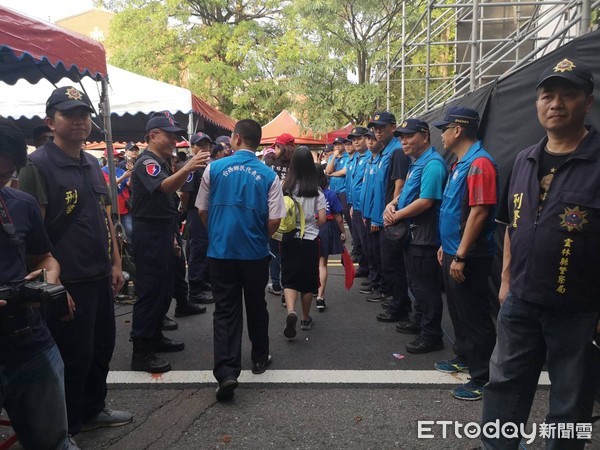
x: 573, y: 219
x: 564, y: 66
x: 376, y: 117
x: 74, y: 94
x: 404, y: 125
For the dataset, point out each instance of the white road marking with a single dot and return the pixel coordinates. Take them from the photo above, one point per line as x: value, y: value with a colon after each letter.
x: 328, y: 377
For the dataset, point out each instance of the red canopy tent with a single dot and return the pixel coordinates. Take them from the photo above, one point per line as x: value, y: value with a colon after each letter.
x: 33, y: 50
x: 285, y: 122
x: 342, y: 132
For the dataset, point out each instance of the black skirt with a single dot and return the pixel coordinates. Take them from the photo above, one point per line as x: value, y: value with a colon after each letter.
x: 330, y: 241
x: 300, y: 265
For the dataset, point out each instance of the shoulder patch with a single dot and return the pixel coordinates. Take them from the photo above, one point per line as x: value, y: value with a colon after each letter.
x: 190, y: 177
x: 152, y: 167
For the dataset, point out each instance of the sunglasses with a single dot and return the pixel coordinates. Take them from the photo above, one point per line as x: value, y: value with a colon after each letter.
x: 447, y: 128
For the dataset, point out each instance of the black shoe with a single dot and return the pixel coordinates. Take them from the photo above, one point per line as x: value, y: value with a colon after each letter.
x: 389, y: 317
x: 189, y: 309
x: 361, y: 274
x: 385, y: 304
x: 225, y: 390
x: 290, y: 325
x: 166, y: 345
x: 202, y: 297
x: 420, y: 345
x: 367, y: 290
x: 283, y: 301
x: 261, y: 367
x: 321, y: 304
x: 143, y: 358
x: 408, y: 327
x: 169, y: 324
x: 376, y: 298
x: 366, y: 283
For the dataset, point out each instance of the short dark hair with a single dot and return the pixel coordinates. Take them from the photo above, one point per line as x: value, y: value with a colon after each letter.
x: 12, y: 143
x: 39, y: 131
x: 182, y: 155
x: 470, y: 132
x: 51, y: 112
x: 250, y: 131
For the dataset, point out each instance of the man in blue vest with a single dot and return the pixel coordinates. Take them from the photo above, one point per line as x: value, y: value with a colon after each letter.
x: 70, y: 188
x: 550, y: 293
x: 336, y: 170
x: 419, y: 206
x: 389, y: 173
x: 241, y: 203
x: 466, y: 230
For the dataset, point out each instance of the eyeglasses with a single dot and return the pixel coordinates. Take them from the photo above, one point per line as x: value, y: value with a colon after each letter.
x: 447, y: 128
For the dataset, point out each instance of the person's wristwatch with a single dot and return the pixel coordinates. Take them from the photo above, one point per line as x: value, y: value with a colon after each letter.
x: 458, y: 259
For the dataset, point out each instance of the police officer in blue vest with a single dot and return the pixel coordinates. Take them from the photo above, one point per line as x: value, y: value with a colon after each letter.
x: 355, y: 170
x: 241, y: 202
x: 70, y: 188
x: 154, y: 187
x: 466, y: 230
x: 550, y: 291
x: 418, y: 206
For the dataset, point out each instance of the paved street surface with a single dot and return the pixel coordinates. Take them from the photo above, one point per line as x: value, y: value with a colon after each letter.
x: 347, y: 383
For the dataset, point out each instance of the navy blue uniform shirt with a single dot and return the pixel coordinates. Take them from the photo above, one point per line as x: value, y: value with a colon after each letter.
x: 555, y: 250
x: 29, y: 228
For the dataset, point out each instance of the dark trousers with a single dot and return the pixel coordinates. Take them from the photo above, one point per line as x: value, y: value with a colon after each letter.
x: 528, y: 336
x: 86, y: 345
x: 155, y: 264
x: 359, y: 239
x: 394, y: 275
x: 469, y: 308
x: 374, y: 255
x: 346, y: 211
x: 197, y: 248
x: 424, y: 280
x: 180, y: 286
x: 230, y: 279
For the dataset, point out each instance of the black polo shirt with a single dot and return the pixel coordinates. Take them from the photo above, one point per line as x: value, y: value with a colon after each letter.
x: 149, y: 202
x: 192, y: 185
x: 32, y: 240
x: 555, y: 250
x: 76, y: 196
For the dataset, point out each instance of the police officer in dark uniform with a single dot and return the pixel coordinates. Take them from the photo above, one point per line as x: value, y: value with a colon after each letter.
x: 550, y: 293
x: 154, y: 227
x: 70, y: 187
x: 35, y: 404
x: 199, y: 291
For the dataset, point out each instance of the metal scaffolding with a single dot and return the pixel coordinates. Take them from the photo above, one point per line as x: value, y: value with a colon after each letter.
x: 478, y: 41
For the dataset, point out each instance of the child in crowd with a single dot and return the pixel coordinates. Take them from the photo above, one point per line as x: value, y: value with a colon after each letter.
x: 331, y: 234
x: 299, y: 255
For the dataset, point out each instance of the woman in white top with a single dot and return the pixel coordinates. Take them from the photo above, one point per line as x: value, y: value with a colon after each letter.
x: 300, y: 255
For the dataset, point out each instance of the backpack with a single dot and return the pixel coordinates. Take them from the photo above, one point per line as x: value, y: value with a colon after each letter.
x: 287, y: 228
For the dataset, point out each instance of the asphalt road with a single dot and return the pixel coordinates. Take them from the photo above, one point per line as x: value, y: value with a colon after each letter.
x: 347, y: 383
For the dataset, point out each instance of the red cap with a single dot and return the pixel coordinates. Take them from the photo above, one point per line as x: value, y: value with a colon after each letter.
x: 285, y: 139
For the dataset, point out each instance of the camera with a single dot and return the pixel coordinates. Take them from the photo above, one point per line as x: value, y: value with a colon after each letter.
x: 33, y: 293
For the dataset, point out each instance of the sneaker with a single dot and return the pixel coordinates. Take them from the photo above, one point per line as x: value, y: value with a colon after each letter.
x: 290, y: 325
x: 283, y: 301
x: 225, y: 390
x: 321, y: 304
x: 454, y: 365
x: 307, y: 324
x: 366, y: 283
x: 108, y: 418
x: 274, y: 289
x: 469, y: 391
x: 261, y: 366
x: 366, y: 290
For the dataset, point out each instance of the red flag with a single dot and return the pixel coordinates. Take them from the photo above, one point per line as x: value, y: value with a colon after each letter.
x: 348, y: 268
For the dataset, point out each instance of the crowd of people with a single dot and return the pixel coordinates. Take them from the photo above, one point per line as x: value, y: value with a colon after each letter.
x: 417, y: 225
